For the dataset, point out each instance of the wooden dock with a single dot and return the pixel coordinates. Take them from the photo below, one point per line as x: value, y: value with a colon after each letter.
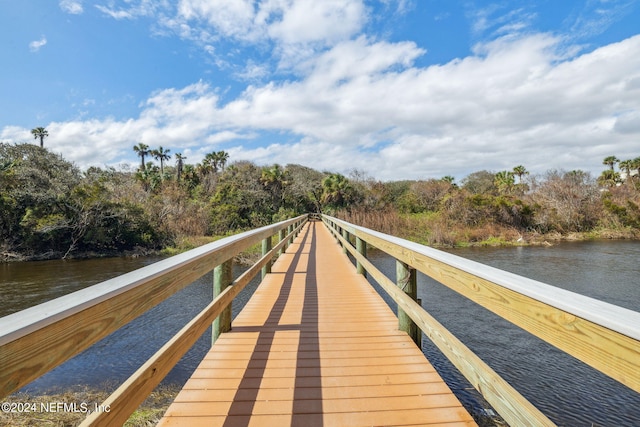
x: 315, y: 347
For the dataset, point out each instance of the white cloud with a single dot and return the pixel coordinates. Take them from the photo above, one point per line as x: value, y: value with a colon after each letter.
x: 364, y: 103
x: 513, y: 103
x: 133, y: 9
x: 598, y: 15
x: 290, y: 30
x: 310, y: 21
x: 73, y: 7
x: 230, y: 18
x: 35, y: 45
x: 253, y: 71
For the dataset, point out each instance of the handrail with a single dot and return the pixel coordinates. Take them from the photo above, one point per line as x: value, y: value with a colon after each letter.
x: 36, y: 340
x: 605, y: 336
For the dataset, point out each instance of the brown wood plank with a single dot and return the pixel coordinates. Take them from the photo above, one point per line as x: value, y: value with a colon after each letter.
x: 315, y: 346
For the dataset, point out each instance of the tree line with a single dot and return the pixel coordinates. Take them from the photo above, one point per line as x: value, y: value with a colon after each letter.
x: 49, y: 208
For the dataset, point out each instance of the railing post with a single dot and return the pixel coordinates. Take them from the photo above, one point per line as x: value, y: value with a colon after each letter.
x: 406, y: 280
x: 281, y: 235
x: 266, y: 247
x: 222, y: 278
x: 361, y: 247
x: 345, y: 234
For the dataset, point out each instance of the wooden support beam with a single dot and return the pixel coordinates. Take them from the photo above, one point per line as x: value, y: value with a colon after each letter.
x: 222, y: 278
x: 345, y: 235
x: 361, y: 247
x: 406, y: 279
x: 281, y: 235
x: 266, y: 247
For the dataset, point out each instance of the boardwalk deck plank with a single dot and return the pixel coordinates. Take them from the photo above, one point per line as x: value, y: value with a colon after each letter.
x: 315, y: 346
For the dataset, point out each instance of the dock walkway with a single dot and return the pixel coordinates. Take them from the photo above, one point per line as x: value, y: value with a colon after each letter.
x: 315, y: 347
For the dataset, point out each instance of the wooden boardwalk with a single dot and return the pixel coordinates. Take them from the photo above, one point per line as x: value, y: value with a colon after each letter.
x: 315, y: 346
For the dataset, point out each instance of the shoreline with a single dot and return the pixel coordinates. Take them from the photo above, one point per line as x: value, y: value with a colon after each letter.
x: 248, y: 257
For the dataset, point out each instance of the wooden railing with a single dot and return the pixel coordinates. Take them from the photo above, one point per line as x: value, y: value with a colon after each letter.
x: 604, y: 336
x: 36, y: 340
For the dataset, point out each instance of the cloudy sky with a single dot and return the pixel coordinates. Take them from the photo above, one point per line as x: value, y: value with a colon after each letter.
x: 400, y: 89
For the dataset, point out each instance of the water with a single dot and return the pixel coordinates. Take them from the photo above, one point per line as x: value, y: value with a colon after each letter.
x: 112, y: 360
x: 566, y: 390
x: 569, y: 392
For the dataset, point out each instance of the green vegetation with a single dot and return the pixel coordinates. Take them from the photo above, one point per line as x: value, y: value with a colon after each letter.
x: 495, y: 209
x: 51, y: 209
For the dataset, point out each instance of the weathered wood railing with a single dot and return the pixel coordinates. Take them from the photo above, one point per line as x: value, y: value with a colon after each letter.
x: 36, y: 340
x: 602, y: 335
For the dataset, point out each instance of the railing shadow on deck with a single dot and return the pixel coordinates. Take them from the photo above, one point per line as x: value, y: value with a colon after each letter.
x: 36, y: 340
x: 249, y: 386
x: 602, y: 335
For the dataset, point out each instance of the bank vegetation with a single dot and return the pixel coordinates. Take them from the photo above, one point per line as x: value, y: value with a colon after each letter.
x: 49, y: 208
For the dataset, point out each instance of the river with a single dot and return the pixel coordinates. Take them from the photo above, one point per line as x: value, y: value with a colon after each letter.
x: 112, y: 360
x: 566, y: 390
x: 569, y: 392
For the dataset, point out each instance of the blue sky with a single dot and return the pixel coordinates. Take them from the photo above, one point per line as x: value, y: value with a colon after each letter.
x: 399, y: 89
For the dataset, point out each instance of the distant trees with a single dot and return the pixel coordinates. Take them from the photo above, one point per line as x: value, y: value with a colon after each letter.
x: 203, y: 175
x: 337, y: 191
x: 40, y: 133
x: 221, y: 158
x: 520, y: 171
x: 275, y: 179
x: 162, y: 155
x: 611, y: 178
x: 610, y: 161
x: 141, y: 150
x: 504, y: 181
x: 179, y: 165
x: 568, y: 201
x: 481, y: 182
x: 47, y: 205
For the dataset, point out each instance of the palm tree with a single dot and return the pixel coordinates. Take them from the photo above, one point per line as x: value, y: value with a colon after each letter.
x: 626, y: 166
x: 609, y: 178
x: 222, y: 157
x: 636, y: 165
x: 210, y: 163
x: 520, y: 171
x: 179, y: 164
x: 142, y: 150
x: 504, y: 181
x: 274, y: 179
x: 162, y: 155
x: 610, y: 161
x: 336, y: 189
x: 41, y: 133
x: 448, y: 178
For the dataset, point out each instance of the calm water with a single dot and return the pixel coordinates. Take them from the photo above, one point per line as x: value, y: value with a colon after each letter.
x: 570, y: 393
x: 566, y: 390
x: 113, y: 359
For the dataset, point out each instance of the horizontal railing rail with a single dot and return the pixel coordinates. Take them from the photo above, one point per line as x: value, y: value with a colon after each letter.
x: 602, y: 335
x: 36, y: 340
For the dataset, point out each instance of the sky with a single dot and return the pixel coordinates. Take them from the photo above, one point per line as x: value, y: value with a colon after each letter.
x: 396, y: 89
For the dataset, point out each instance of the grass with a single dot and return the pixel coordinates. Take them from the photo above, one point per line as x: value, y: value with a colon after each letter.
x: 43, y: 408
